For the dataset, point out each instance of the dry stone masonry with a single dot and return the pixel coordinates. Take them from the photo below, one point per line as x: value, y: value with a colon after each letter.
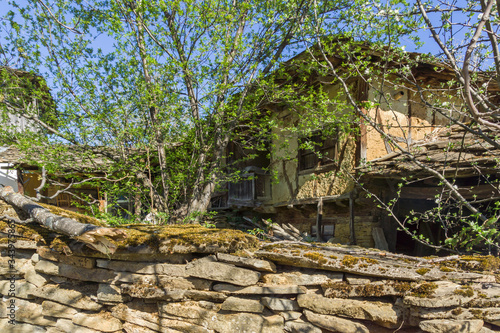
x: 161, y: 280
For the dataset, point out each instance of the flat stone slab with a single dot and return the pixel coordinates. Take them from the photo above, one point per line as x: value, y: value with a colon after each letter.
x: 280, y: 304
x: 31, y: 313
x: 67, y: 325
x: 50, y: 254
x: 358, y: 261
x: 302, y: 279
x: 74, y: 272
x: 335, y: 324
x: 380, y: 312
x: 99, y: 321
x: 237, y: 304
x: 34, y: 278
x: 110, y: 293
x: 68, y: 297
x: 176, y: 295
x: 260, y: 290
x: 132, y: 328
x: 138, y: 313
x: 257, y: 264
x: 20, y: 327
x: 445, y: 326
x: 446, y: 294
x: 143, y: 268
x: 22, y: 289
x: 57, y: 310
x: 344, y: 289
x: 216, y: 271
x: 206, y: 315
x: 301, y: 327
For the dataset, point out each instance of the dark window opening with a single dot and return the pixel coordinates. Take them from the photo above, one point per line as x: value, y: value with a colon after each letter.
x: 323, y: 151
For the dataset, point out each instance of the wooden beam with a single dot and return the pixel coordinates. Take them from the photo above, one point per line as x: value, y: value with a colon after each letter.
x: 429, y: 193
x: 319, y: 221
x: 352, y: 234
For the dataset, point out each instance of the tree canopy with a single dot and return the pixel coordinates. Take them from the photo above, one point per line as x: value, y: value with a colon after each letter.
x: 140, y: 76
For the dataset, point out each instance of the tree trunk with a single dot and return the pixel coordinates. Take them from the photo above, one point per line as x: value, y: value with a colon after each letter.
x: 90, y: 234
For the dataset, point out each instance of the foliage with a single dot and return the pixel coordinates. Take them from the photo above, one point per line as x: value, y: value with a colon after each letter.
x: 184, y: 79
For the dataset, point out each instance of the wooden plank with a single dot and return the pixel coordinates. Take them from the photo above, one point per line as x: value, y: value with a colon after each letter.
x: 429, y: 193
x: 319, y: 222
x: 352, y: 235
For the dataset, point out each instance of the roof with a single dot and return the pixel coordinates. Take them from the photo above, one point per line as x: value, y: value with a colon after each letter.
x: 71, y: 158
x: 451, y: 150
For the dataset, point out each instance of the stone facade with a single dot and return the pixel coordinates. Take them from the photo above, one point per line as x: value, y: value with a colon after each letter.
x: 277, y: 288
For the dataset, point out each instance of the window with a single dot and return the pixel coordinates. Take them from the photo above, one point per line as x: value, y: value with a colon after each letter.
x: 323, y: 152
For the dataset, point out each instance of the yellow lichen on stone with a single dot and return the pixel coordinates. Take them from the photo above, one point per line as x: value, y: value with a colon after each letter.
x: 192, y: 235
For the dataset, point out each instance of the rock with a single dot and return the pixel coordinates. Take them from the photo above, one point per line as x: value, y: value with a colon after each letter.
x: 110, y: 293
x: 54, y: 309
x: 457, y: 313
x: 132, y: 328
x: 380, y: 312
x: 257, y: 264
x: 325, y: 259
x: 199, y: 313
x: 34, y: 278
x: 248, y: 323
x: 176, y: 295
x: 237, y: 304
x: 100, y: 321
x: 301, y: 327
x: 451, y: 326
x: 19, y: 327
x: 222, y: 272
x: 187, y: 283
x: 443, y: 296
x: 260, y: 290
x: 18, y: 269
x: 290, y: 315
x: 68, y: 297
x: 139, y: 314
x: 143, y: 267
x: 53, y: 255
x: 3, y: 308
x: 67, y: 325
x: 356, y: 279
x: 35, y: 258
x: 54, y: 330
x: 174, y: 325
x: 22, y: 289
x: 335, y: 324
x: 74, y: 272
x: 31, y: 313
x: 301, y: 279
x: 280, y: 304
x: 374, y: 289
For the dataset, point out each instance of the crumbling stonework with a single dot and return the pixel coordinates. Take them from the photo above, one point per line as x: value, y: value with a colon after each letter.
x: 274, y: 287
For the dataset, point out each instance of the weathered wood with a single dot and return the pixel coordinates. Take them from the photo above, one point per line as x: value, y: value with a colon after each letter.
x: 352, y: 234
x: 92, y: 235
x: 319, y: 221
x: 469, y: 193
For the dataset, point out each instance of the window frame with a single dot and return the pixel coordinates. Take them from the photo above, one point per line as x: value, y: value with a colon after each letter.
x: 322, y: 148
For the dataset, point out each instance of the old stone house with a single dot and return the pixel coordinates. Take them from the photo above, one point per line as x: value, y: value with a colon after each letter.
x: 317, y: 188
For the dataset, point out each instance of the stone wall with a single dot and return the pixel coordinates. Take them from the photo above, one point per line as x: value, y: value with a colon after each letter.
x: 276, y: 288
x: 193, y: 279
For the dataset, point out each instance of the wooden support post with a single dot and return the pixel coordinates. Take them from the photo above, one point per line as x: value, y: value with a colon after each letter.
x: 352, y: 235
x: 319, y: 221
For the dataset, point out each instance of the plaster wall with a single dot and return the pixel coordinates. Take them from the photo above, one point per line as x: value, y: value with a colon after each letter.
x: 8, y: 176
